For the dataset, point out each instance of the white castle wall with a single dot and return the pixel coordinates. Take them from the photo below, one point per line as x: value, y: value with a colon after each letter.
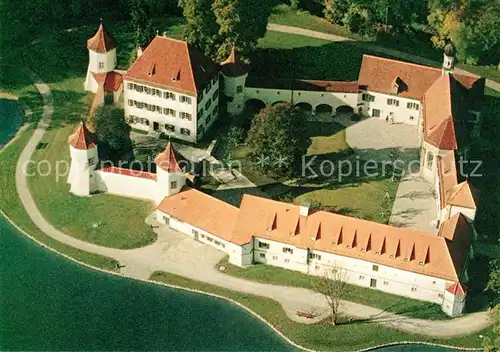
x: 124, y: 185
x: 108, y: 61
x: 401, y: 113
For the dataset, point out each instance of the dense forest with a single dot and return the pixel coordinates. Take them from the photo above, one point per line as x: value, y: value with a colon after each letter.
x: 214, y: 25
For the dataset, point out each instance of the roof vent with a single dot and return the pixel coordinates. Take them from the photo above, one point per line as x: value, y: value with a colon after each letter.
x: 151, y: 70
x: 177, y: 76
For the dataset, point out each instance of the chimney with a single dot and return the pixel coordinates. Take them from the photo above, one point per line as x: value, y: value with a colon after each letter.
x: 139, y: 52
x: 304, y: 208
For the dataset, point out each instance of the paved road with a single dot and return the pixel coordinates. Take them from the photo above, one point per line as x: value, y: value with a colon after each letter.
x: 178, y: 254
x: 367, y: 45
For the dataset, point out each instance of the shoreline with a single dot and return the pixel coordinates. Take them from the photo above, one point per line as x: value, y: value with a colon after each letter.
x: 229, y: 300
x: 24, y: 126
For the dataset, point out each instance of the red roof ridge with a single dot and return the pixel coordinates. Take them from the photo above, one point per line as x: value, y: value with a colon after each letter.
x: 191, y: 66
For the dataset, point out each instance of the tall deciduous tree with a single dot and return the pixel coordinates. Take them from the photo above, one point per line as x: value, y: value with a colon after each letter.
x: 241, y: 24
x: 278, y: 139
x: 112, y: 131
x: 201, y: 29
x: 143, y: 26
x: 335, y: 10
x: 333, y: 286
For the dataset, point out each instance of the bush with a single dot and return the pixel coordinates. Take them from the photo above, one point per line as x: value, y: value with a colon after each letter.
x: 359, y: 19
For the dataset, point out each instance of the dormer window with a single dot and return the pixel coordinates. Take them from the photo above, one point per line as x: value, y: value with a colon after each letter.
x: 392, y: 256
x: 421, y: 262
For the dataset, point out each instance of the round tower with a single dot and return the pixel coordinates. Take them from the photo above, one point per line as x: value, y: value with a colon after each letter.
x: 449, y: 57
x: 235, y: 72
x: 102, y: 57
x: 169, y: 176
x: 84, y: 158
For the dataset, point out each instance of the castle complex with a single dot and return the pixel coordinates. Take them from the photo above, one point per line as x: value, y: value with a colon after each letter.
x: 173, y: 88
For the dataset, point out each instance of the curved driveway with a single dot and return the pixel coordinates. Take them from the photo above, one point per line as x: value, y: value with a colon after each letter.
x: 178, y: 254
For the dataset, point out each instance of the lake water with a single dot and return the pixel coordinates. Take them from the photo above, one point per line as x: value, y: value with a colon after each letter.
x: 50, y: 303
x: 11, y: 118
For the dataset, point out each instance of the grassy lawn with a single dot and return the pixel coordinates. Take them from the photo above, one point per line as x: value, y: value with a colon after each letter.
x: 321, y: 336
x: 16, y: 82
x: 418, y: 45
x: 385, y: 301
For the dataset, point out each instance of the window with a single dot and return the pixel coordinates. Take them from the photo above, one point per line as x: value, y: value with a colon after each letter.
x: 130, y: 102
x: 262, y: 255
x: 147, y: 90
x: 194, y: 232
x: 287, y: 261
x: 361, y: 277
x: 263, y: 245
x: 440, y: 295
x: 217, y: 243
x: 316, y: 267
x: 275, y: 257
x: 210, y: 239
x: 287, y: 250
x: 376, y: 113
x: 413, y: 289
x: 185, y: 115
x: 184, y: 99
x: 130, y: 86
x: 430, y: 160
x: 386, y: 283
x: 239, y: 89
x: 157, y: 92
x: 393, y: 102
x: 169, y: 95
x: 202, y: 236
x: 173, y: 184
x: 367, y: 97
x: 185, y: 132
x: 412, y: 118
x: 433, y: 282
x: 168, y: 111
x: 314, y: 256
x: 413, y: 106
x: 169, y: 128
x: 101, y: 65
x: 375, y: 267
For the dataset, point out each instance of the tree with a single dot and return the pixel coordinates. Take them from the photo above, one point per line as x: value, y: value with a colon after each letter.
x: 335, y: 10
x: 333, y: 286
x: 278, y: 139
x: 241, y: 24
x: 492, y: 343
x: 494, y: 278
x: 143, y: 27
x: 112, y: 131
x: 201, y: 28
x: 359, y: 19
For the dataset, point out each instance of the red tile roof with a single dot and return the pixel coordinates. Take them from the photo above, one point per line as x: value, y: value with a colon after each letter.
x: 234, y: 65
x: 457, y: 289
x: 172, y: 64
x: 101, y: 42
x: 447, y: 176
x: 303, y: 84
x: 167, y: 160
x: 113, y: 81
x: 464, y: 195
x: 404, y: 249
x: 201, y: 210
x: 82, y: 139
x: 129, y: 172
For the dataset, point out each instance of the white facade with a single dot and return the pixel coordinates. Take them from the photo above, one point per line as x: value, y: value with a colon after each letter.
x: 99, y: 63
x: 358, y: 272
x: 390, y: 107
x: 124, y: 185
x: 83, y: 162
x: 234, y: 90
x: 168, y: 183
x: 179, y: 115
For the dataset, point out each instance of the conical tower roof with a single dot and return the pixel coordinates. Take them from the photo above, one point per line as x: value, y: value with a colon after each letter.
x: 167, y: 160
x: 234, y: 65
x: 101, y: 42
x: 82, y: 139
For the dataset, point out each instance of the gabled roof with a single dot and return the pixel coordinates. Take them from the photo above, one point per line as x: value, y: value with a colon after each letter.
x: 447, y: 176
x: 111, y: 81
x: 234, y: 65
x: 101, y: 42
x: 401, y: 248
x: 442, y: 113
x: 457, y: 289
x: 464, y: 195
x: 172, y: 64
x: 302, y: 84
x: 82, y: 139
x: 378, y: 74
x: 167, y: 160
x: 202, y: 211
